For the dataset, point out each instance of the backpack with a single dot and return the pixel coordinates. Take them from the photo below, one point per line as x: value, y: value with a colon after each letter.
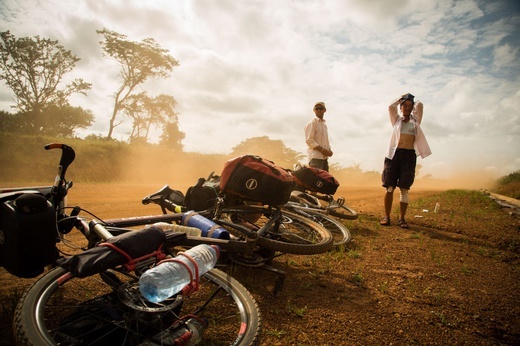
x: 315, y: 179
x: 202, y: 196
x: 257, y: 179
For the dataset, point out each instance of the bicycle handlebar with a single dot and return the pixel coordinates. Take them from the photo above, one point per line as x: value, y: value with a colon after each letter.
x: 161, y: 198
x: 67, y: 157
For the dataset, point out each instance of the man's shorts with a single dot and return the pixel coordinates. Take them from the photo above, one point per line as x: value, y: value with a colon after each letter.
x: 400, y: 171
x: 320, y: 164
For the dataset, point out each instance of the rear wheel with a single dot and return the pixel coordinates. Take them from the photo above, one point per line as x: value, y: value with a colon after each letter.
x: 63, y: 310
x: 280, y: 230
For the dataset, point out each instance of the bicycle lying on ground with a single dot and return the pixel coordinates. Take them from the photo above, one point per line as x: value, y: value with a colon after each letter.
x: 276, y: 229
x: 100, y: 303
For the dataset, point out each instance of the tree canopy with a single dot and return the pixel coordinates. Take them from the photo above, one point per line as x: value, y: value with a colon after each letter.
x: 273, y: 150
x: 138, y: 62
x: 34, y: 69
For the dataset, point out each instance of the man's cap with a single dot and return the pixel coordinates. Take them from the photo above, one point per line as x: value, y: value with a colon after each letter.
x: 321, y: 104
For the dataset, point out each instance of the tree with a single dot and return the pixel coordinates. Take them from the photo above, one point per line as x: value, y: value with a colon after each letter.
x: 138, y: 62
x: 34, y: 68
x: 8, y: 122
x: 147, y: 111
x: 273, y: 150
x: 172, y: 136
x: 65, y: 120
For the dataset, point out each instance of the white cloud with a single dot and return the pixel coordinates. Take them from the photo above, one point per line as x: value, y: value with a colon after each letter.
x: 505, y: 55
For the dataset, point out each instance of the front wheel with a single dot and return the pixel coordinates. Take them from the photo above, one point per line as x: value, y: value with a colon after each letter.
x: 280, y: 230
x: 108, y: 309
x: 340, y: 232
x: 342, y: 211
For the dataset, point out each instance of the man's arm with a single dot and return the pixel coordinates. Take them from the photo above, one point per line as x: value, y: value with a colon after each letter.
x: 309, y: 136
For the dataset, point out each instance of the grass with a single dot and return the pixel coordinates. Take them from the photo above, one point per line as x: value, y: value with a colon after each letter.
x: 438, y: 258
x: 466, y: 270
x: 508, y: 185
x: 276, y: 333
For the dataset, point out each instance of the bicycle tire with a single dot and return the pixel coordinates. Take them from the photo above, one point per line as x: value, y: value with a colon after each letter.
x: 295, y: 234
x: 340, y: 232
x: 334, y: 208
x: 56, y: 310
x: 342, y: 211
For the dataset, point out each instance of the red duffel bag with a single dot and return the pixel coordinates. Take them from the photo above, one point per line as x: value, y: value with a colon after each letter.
x: 258, y: 179
x: 315, y: 179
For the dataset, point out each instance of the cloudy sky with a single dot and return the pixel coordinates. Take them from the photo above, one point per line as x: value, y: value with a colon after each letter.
x: 256, y: 67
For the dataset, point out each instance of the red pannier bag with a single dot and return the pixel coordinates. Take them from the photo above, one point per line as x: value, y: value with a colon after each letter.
x: 258, y: 179
x: 315, y: 179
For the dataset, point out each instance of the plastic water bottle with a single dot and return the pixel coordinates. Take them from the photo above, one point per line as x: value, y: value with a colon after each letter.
x: 209, y: 228
x: 169, y: 278
x: 193, y: 231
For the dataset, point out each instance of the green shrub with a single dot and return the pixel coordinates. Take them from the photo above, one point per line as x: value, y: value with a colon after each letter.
x: 508, y: 185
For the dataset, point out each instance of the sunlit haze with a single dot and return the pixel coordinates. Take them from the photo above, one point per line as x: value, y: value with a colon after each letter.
x: 256, y: 68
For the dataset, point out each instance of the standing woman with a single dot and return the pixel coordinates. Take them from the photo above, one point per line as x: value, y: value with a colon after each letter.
x: 406, y: 143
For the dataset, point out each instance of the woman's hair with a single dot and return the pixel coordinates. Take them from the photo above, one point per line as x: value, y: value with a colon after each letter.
x: 406, y: 97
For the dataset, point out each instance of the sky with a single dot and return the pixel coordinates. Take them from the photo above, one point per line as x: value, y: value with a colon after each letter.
x: 256, y: 67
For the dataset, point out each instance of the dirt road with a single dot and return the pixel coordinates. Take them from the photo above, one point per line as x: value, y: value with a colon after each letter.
x: 453, y: 278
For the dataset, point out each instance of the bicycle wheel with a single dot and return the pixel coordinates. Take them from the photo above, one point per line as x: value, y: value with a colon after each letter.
x: 107, y: 309
x: 342, y: 211
x: 280, y: 230
x: 340, y: 232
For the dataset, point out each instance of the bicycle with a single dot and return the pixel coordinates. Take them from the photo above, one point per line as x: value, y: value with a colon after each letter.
x: 101, y: 303
x: 313, y: 186
x: 275, y: 229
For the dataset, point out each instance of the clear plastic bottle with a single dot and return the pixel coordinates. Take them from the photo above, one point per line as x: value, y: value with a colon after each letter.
x: 209, y: 228
x: 169, y: 278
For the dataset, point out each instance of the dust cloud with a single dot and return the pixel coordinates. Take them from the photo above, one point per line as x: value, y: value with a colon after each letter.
x: 157, y: 168
x: 178, y: 171
x: 183, y: 170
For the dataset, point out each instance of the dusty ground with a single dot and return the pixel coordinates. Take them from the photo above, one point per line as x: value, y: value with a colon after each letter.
x: 441, y: 282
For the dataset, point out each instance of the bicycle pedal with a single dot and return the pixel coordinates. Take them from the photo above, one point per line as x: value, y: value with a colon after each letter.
x: 341, y: 200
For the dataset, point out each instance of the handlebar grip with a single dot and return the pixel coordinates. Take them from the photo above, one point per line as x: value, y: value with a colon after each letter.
x: 53, y: 146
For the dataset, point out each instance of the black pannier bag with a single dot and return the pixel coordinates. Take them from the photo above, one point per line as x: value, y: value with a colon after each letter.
x: 315, y: 179
x: 203, y: 195
x: 28, y: 233
x: 257, y: 179
x: 133, y: 244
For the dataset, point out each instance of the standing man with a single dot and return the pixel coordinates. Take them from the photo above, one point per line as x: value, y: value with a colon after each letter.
x: 406, y: 143
x: 317, y: 139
